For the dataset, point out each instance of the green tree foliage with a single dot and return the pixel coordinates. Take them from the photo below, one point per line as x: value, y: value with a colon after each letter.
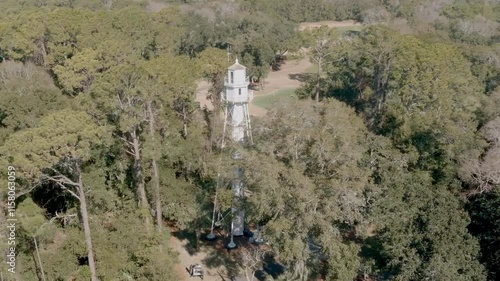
x: 485, y: 216
x: 27, y: 93
x: 423, y: 231
x: 97, y: 113
x: 34, y: 225
x: 484, y: 66
x: 213, y: 64
x: 56, y: 151
x: 308, y: 11
x: 52, y: 37
x: 138, y: 97
x: 306, y: 165
x: 200, y: 34
x: 259, y: 41
x: 320, y: 42
x: 13, y: 6
x: 424, y: 97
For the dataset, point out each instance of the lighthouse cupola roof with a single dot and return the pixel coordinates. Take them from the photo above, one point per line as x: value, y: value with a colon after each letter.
x: 237, y: 66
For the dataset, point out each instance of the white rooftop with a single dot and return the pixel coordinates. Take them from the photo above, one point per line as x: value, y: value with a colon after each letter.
x: 236, y: 66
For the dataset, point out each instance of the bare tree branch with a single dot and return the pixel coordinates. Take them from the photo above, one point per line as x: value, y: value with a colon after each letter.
x: 123, y: 139
x: 63, y: 178
x: 30, y: 188
x: 61, y: 183
x: 64, y: 218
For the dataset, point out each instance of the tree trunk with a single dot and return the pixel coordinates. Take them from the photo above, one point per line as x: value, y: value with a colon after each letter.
x: 184, y: 122
x: 156, y: 179
x: 197, y: 234
x: 156, y: 173
x: 141, y: 190
x: 43, y: 51
x: 382, y: 66
x: 86, y: 227
x: 246, y: 275
x: 251, y: 276
x: 318, y: 80
x: 39, y: 267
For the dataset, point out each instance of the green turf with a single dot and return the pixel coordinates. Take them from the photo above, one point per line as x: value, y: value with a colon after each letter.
x: 343, y: 29
x: 268, y: 101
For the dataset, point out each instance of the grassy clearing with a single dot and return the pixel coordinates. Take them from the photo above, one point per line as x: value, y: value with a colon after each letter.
x: 343, y: 29
x: 277, y: 97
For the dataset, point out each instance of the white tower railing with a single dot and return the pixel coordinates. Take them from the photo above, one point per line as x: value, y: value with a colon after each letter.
x: 248, y: 99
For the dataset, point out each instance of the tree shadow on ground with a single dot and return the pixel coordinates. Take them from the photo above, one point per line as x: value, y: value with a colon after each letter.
x: 217, y: 258
x: 230, y: 261
x: 192, y: 245
x: 301, y: 77
x: 225, y: 262
x: 276, y: 65
x: 271, y: 267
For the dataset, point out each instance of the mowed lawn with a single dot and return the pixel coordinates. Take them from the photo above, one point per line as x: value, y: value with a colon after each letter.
x: 268, y: 101
x: 343, y: 29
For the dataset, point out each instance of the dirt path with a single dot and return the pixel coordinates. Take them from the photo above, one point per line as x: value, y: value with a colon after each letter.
x: 186, y: 259
x: 179, y: 269
x: 287, y: 77
x: 218, y: 264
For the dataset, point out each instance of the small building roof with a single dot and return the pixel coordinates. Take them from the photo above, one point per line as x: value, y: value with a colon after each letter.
x: 236, y: 66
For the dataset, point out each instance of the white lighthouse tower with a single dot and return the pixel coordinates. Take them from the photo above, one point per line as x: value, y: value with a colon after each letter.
x: 236, y: 98
x: 236, y: 116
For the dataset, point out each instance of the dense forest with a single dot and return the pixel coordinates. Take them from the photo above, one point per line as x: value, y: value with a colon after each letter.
x: 389, y: 158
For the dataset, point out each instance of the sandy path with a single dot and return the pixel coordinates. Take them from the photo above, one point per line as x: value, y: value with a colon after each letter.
x: 218, y: 264
x: 186, y: 259
x: 282, y: 78
x: 176, y: 245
